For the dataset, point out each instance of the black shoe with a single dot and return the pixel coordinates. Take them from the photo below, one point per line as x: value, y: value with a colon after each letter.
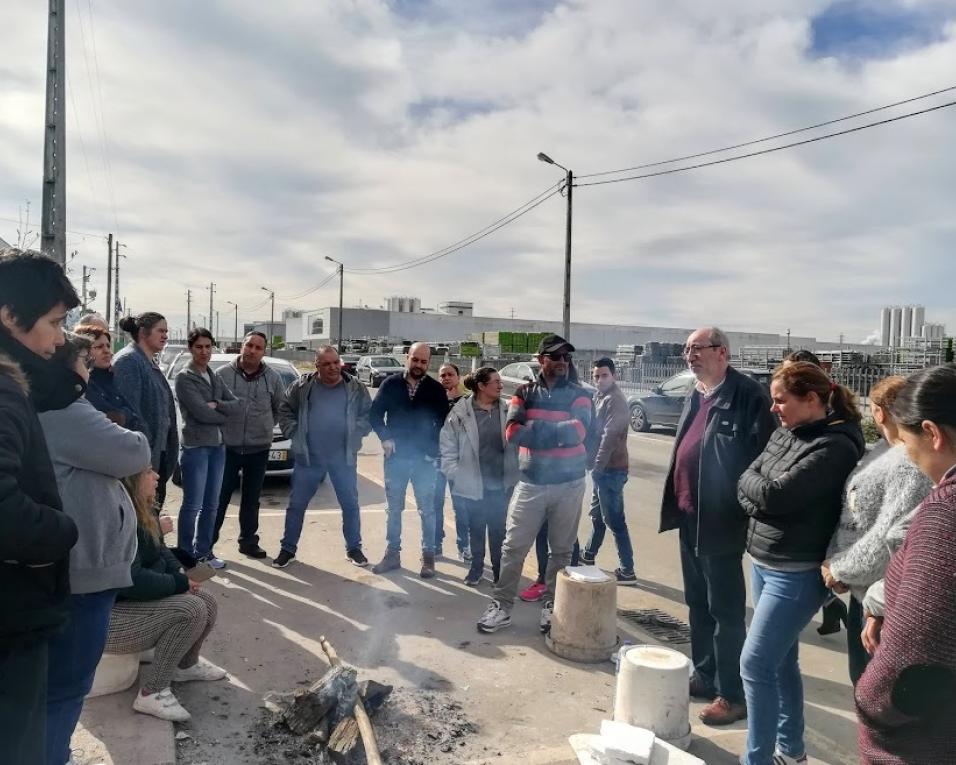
x: 254, y: 551
x: 283, y: 559
x: 834, y: 612
x: 472, y: 580
x: 700, y: 690
x: 356, y: 557
x: 625, y: 577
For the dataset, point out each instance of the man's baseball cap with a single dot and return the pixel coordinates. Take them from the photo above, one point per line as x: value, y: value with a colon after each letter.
x: 553, y: 344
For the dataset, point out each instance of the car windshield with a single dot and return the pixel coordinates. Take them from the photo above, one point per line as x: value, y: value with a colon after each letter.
x: 287, y: 374
x: 385, y: 361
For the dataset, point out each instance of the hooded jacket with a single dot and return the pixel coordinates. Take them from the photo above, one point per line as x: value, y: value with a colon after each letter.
x: 793, y: 492
x: 460, y: 446
x: 250, y: 427
x: 202, y: 425
x: 35, y: 534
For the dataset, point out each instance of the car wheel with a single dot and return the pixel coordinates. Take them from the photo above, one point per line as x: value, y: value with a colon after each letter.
x: 639, y: 421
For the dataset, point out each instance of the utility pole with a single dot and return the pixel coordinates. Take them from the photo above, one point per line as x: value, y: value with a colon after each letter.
x: 87, y: 273
x: 118, y: 307
x: 235, y: 326
x: 216, y: 333
x: 108, y: 313
x: 189, y: 310
x: 341, y: 292
x: 212, y: 291
x: 788, y: 342
x: 272, y: 317
x: 569, y: 186
x: 53, y: 226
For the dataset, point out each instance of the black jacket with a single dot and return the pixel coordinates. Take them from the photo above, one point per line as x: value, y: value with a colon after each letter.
x: 156, y: 572
x: 35, y: 534
x: 414, y: 424
x: 738, y: 426
x: 793, y: 492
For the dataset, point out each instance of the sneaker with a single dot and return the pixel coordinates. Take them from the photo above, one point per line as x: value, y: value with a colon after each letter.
x: 472, y: 580
x: 544, y: 624
x: 428, y: 566
x: 586, y: 558
x: 391, y: 561
x: 254, y: 551
x: 494, y: 618
x: 466, y: 554
x: 357, y: 558
x: 779, y: 759
x: 722, y: 712
x: 283, y: 559
x: 701, y: 690
x: 626, y: 578
x: 201, y: 670
x: 534, y: 592
x: 163, y: 705
x: 214, y: 562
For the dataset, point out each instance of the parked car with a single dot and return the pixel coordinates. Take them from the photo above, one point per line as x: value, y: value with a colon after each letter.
x: 663, y: 404
x: 517, y: 374
x: 349, y: 360
x: 372, y: 370
x: 168, y: 355
x: 281, y: 459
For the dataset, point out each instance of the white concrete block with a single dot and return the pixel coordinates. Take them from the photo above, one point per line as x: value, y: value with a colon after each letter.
x: 626, y: 744
x: 667, y: 754
x: 116, y: 672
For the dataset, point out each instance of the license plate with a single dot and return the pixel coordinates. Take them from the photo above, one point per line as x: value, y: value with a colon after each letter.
x: 278, y: 455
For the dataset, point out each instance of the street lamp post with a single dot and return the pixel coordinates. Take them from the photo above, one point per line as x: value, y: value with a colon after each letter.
x: 272, y: 316
x: 341, y: 288
x: 569, y: 185
x: 235, y: 327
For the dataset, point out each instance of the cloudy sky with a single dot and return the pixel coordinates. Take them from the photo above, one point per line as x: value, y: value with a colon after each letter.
x: 240, y: 142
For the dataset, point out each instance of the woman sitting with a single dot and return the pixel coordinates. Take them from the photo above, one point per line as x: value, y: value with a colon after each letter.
x: 793, y: 493
x: 880, y: 499
x: 163, y: 610
x: 906, y: 699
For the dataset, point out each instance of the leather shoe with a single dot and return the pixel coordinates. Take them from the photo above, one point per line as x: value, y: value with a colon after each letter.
x: 700, y: 690
x: 722, y: 712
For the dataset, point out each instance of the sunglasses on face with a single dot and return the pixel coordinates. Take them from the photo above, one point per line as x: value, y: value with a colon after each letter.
x: 559, y: 356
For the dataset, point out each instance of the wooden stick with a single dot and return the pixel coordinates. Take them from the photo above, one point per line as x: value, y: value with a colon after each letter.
x: 372, y: 754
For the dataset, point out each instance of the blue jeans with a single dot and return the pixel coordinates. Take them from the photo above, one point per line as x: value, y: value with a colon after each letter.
x: 74, y: 653
x: 461, y: 516
x: 784, y: 603
x: 305, y: 482
x: 202, y: 468
x: 423, y: 474
x: 607, y: 511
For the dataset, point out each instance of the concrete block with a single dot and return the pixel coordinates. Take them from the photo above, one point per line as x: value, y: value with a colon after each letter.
x: 667, y: 754
x: 116, y: 672
x: 626, y: 744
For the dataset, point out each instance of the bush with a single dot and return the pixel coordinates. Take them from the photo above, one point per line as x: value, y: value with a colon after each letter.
x: 870, y: 432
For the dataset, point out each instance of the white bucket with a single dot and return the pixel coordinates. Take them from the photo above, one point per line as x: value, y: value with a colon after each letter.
x: 652, y: 692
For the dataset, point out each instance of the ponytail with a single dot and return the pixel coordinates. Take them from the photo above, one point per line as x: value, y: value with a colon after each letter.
x: 135, y: 325
x: 842, y: 402
x: 801, y: 378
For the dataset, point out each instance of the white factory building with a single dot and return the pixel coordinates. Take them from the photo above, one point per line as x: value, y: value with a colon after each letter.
x: 454, y: 320
x: 900, y: 324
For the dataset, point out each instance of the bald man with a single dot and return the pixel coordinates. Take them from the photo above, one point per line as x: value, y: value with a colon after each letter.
x: 407, y: 414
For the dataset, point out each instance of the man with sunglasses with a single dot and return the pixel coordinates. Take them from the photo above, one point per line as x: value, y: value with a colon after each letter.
x: 725, y: 424
x: 549, y: 419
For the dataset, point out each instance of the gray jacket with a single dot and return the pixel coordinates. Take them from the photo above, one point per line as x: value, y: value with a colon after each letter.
x: 459, y: 451
x: 880, y: 499
x: 294, y: 416
x: 90, y: 454
x: 250, y: 428
x: 202, y: 426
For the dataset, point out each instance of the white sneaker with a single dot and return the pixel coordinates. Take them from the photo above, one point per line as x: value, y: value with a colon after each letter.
x: 545, y: 623
x: 201, y: 670
x: 163, y: 705
x: 494, y: 618
x: 216, y: 563
x: 780, y: 759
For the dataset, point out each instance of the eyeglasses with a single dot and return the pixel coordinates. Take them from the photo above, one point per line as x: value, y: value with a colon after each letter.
x: 690, y: 350
x: 559, y: 356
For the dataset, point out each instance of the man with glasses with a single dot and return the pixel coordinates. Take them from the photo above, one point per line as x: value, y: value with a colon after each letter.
x: 549, y: 420
x: 725, y: 424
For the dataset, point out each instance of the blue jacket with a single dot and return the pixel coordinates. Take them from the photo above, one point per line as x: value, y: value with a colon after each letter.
x: 102, y: 393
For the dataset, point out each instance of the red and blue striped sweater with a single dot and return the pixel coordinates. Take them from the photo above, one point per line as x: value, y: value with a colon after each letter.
x: 550, y: 427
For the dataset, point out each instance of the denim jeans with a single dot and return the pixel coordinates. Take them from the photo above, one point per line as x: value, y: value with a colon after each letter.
x: 305, y: 482
x: 253, y: 467
x: 717, y: 602
x: 23, y: 671
x: 202, y: 479
x: 784, y: 603
x: 607, y: 511
x: 487, y: 515
x: 461, y: 516
x: 422, y: 473
x: 74, y: 653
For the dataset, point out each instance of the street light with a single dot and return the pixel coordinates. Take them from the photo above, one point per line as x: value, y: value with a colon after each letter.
x: 235, y: 330
x: 341, y: 283
x: 272, y: 316
x: 569, y: 184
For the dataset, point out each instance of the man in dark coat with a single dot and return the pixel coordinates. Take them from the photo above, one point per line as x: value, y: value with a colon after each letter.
x: 35, y: 534
x: 725, y: 424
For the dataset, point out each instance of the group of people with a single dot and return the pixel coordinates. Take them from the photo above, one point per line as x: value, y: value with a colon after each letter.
x: 84, y: 569
x: 788, y: 480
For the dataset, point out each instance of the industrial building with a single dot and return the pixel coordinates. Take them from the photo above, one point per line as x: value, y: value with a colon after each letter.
x: 900, y: 324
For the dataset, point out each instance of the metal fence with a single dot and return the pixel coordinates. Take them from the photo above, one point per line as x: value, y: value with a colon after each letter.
x: 645, y: 376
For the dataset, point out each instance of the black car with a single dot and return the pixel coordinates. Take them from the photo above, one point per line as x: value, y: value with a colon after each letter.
x: 349, y: 361
x: 663, y: 404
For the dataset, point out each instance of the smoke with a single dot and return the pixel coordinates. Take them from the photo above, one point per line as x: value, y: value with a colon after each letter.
x: 873, y: 338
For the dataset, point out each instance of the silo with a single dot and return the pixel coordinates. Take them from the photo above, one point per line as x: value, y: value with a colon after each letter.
x: 896, y: 320
x: 919, y: 318
x: 885, y: 326
x: 907, y: 323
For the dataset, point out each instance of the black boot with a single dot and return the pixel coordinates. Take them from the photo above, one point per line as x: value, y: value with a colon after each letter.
x: 834, y: 612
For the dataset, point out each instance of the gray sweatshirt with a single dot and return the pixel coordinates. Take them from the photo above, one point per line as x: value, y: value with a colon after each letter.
x: 90, y: 454
x: 202, y: 425
x: 250, y: 428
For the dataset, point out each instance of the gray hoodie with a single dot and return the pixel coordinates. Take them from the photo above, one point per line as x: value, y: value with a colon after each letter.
x: 201, y: 424
x: 90, y: 454
x: 250, y: 428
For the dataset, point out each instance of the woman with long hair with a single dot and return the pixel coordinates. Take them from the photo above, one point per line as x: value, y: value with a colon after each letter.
x: 102, y: 392
x: 906, y: 699
x: 793, y: 494
x: 481, y: 467
x: 139, y: 379
x: 878, y: 504
x: 164, y: 610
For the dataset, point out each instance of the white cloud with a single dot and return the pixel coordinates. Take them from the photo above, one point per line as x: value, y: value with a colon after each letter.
x: 248, y: 140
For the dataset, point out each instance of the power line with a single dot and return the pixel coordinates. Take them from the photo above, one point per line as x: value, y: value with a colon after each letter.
x: 771, y: 137
x: 319, y: 286
x: 772, y: 149
x: 468, y: 240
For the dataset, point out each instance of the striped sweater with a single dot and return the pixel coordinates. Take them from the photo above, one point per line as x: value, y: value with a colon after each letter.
x: 550, y: 427
x: 906, y: 699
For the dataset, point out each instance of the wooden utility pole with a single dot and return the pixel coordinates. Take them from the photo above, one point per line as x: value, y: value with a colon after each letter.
x: 189, y: 310
x: 108, y: 313
x: 53, y: 225
x: 212, y: 292
x: 118, y: 304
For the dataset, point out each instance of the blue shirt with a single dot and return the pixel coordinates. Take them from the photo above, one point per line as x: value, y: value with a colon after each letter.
x: 328, y: 425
